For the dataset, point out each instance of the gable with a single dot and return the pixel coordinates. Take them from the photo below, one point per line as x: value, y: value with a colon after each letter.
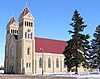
x: 11, y: 21
x: 29, y: 15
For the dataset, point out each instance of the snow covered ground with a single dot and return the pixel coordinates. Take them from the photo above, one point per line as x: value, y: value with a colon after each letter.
x: 89, y: 75
x: 1, y: 71
x: 81, y: 75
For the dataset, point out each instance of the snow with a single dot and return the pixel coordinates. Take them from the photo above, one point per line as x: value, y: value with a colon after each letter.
x: 90, y: 75
x: 72, y: 74
x: 81, y: 75
x: 1, y: 71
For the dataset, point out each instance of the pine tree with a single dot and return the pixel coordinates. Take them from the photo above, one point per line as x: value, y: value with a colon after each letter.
x: 76, y: 53
x: 95, y: 53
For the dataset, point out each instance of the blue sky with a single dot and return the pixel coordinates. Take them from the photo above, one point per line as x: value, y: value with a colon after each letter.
x: 52, y: 17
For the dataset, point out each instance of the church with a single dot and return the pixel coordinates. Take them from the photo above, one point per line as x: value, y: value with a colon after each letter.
x: 27, y: 54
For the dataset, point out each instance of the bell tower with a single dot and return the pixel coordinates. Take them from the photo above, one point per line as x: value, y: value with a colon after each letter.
x: 10, y: 55
x: 12, y: 27
x: 26, y: 44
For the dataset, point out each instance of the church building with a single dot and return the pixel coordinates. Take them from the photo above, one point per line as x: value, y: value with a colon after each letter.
x: 27, y: 54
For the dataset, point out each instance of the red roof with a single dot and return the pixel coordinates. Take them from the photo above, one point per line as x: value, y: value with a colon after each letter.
x: 11, y: 21
x: 49, y: 45
x: 25, y: 11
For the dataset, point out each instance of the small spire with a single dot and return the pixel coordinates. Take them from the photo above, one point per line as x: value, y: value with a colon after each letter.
x: 26, y: 3
x: 13, y: 13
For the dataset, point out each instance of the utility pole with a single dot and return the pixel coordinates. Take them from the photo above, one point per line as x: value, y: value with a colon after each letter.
x: 42, y: 58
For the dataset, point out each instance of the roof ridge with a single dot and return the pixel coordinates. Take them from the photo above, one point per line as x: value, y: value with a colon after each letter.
x: 51, y: 39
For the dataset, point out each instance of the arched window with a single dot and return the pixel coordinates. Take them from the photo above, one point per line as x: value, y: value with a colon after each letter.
x: 15, y: 31
x: 11, y: 30
x: 26, y: 65
x: 40, y: 62
x: 31, y: 35
x: 49, y: 63
x: 25, y: 34
x: 57, y: 63
x: 28, y: 36
x: 28, y: 51
x: 12, y: 52
x: 25, y: 23
x: 31, y: 24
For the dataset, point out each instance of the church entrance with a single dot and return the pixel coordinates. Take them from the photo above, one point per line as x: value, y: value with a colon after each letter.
x: 12, y: 70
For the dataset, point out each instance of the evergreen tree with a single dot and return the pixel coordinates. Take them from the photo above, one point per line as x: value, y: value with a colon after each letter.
x: 76, y: 53
x: 95, y: 53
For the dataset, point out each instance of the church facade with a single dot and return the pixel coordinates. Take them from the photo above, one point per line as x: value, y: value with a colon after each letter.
x: 27, y: 54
